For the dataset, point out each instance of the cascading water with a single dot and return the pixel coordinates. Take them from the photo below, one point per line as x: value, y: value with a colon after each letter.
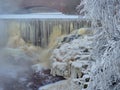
x: 26, y: 43
x: 41, y: 32
x: 15, y: 62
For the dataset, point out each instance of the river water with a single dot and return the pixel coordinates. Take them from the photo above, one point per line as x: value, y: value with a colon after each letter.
x: 25, y: 41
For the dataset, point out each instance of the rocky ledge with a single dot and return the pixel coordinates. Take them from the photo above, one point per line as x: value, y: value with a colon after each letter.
x: 72, y: 59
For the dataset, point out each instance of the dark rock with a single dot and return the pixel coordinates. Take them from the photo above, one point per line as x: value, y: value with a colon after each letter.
x: 86, y: 50
x: 85, y: 66
x: 79, y: 83
x: 82, y: 74
x: 101, y: 70
x: 64, y: 39
x: 42, y: 78
x: 77, y: 58
x: 87, y: 79
x: 85, y: 86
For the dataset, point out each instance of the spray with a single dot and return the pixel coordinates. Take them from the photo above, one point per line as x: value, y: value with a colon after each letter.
x: 17, y: 58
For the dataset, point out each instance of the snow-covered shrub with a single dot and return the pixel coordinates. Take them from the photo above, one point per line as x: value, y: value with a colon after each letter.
x: 105, y: 73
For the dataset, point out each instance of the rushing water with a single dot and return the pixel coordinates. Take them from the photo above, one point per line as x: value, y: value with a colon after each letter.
x: 43, y: 29
x: 26, y: 42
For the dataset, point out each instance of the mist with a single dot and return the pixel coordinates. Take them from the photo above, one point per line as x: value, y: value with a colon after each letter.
x: 3, y: 34
x: 17, y: 59
x: 13, y: 62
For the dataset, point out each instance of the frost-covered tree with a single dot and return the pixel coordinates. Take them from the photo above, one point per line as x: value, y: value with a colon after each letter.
x: 105, y: 73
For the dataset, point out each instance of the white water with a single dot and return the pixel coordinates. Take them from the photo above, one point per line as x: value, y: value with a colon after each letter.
x: 39, y: 16
x: 17, y: 58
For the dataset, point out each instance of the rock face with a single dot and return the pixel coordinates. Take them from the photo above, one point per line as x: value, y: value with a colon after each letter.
x: 72, y: 60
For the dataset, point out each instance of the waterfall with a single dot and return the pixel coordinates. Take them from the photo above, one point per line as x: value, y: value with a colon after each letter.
x: 44, y: 32
x: 27, y: 42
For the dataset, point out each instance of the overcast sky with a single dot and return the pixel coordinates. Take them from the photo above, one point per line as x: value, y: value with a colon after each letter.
x: 7, y: 6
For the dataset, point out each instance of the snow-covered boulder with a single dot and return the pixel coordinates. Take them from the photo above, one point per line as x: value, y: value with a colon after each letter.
x: 72, y: 59
x: 68, y: 52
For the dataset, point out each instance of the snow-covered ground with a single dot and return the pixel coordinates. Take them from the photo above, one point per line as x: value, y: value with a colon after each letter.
x: 61, y: 85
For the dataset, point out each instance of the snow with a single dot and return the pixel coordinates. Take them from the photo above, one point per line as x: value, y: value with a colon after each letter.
x: 61, y: 85
x: 72, y: 60
x: 105, y: 71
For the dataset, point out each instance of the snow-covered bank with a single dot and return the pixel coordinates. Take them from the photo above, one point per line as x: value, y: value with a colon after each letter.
x: 61, y: 85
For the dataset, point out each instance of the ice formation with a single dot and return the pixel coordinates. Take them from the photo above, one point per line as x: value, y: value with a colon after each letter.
x: 71, y: 58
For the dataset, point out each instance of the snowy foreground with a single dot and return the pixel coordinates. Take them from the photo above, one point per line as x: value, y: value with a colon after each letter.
x: 71, y: 59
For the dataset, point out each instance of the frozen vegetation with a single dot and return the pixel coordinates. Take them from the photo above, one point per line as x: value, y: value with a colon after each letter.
x: 105, y: 72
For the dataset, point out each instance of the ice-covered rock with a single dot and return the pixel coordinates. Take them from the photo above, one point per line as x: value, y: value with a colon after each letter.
x: 77, y: 49
x: 60, y: 68
x: 72, y: 59
x: 80, y: 68
x: 83, y: 31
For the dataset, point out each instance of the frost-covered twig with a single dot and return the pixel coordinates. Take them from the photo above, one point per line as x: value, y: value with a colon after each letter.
x: 105, y: 74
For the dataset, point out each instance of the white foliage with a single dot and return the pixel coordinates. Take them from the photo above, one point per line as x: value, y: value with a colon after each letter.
x: 105, y: 73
